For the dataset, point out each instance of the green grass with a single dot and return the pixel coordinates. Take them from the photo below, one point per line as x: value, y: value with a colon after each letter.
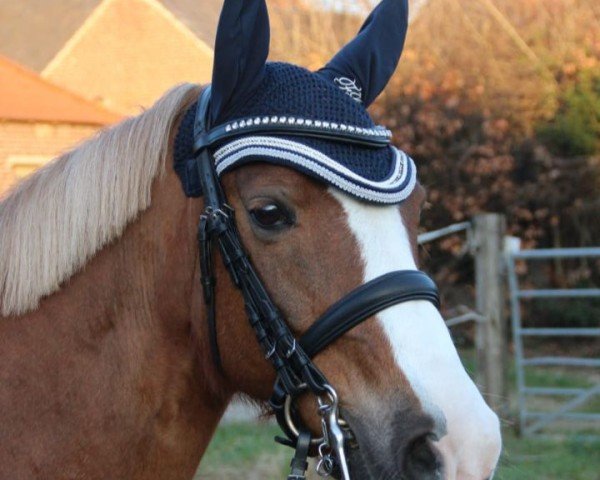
x: 244, y: 451
x: 542, y: 459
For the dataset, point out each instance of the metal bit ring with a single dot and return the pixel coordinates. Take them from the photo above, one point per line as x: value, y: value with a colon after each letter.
x: 287, y: 411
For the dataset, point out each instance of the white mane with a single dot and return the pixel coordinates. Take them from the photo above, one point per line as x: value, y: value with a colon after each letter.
x: 54, y: 221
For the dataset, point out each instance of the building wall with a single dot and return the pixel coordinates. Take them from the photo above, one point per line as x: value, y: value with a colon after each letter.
x: 26, y: 146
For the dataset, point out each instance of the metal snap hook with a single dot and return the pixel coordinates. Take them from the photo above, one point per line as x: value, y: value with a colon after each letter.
x: 333, y: 397
x: 332, y: 431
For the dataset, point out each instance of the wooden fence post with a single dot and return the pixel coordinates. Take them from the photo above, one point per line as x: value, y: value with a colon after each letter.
x: 489, y: 230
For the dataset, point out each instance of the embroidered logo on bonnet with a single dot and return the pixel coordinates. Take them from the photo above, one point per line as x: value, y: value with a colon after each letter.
x: 349, y: 87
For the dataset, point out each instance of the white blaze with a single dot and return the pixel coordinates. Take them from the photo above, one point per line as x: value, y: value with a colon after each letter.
x: 423, y: 349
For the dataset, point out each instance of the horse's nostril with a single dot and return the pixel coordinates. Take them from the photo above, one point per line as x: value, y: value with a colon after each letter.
x: 422, y: 460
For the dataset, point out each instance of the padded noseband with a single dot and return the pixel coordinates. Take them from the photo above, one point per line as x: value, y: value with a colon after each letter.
x: 367, y: 300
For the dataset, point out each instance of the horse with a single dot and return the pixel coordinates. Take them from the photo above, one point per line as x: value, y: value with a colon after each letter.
x: 108, y: 359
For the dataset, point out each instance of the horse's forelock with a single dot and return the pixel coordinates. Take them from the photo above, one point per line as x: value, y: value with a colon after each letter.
x: 54, y: 221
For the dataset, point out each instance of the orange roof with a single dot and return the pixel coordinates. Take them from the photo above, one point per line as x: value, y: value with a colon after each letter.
x: 25, y: 96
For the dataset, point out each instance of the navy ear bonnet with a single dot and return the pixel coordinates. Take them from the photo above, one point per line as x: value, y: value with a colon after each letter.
x: 316, y: 123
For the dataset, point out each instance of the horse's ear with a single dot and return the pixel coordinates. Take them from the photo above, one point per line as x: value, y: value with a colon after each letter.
x: 364, y: 66
x: 241, y: 50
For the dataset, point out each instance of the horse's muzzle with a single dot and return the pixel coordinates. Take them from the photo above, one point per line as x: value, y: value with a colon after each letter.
x: 404, y: 451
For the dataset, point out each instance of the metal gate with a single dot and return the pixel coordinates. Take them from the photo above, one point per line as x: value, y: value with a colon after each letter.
x: 534, y: 421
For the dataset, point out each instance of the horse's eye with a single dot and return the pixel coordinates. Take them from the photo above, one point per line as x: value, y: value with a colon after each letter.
x: 271, y: 217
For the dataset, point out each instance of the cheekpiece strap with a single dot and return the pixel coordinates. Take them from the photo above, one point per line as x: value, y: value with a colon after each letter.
x: 217, y: 228
x: 201, y: 119
x: 193, y: 124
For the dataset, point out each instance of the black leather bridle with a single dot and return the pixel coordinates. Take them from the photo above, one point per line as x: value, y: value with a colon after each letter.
x: 291, y: 357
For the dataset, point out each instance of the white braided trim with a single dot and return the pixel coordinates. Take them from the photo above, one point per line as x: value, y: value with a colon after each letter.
x: 238, y: 149
x: 329, y: 176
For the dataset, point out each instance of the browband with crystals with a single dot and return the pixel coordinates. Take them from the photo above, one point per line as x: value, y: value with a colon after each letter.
x: 376, y: 137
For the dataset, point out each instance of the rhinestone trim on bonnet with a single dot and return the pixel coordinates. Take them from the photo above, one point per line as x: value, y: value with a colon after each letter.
x: 378, y: 130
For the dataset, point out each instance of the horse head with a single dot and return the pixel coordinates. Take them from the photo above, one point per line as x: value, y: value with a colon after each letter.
x: 324, y: 204
x: 122, y: 342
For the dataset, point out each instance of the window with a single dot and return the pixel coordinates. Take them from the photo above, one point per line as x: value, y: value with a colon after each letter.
x: 22, y: 165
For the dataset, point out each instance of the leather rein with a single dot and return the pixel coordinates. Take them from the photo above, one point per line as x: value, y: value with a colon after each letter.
x: 291, y: 357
